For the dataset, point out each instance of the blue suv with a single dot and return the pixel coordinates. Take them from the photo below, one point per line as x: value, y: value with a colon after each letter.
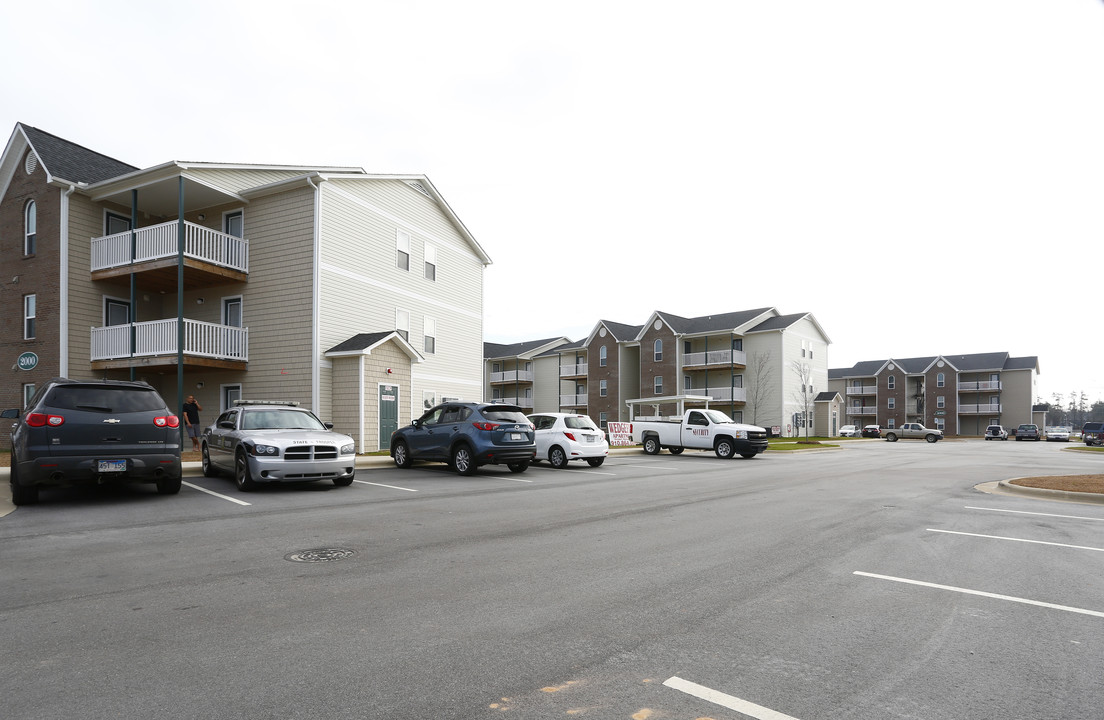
x: 467, y: 435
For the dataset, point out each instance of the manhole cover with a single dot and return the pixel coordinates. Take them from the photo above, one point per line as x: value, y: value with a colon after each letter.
x: 320, y: 555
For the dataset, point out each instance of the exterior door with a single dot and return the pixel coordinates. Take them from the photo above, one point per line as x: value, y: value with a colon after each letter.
x: 388, y: 413
x: 232, y: 317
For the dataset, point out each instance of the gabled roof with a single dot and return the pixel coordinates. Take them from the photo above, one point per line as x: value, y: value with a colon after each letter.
x: 705, y: 324
x: 826, y: 396
x: 64, y: 160
x: 525, y: 350
x: 365, y: 343
x: 568, y: 347
x: 783, y: 322
x: 977, y: 362
x: 620, y: 331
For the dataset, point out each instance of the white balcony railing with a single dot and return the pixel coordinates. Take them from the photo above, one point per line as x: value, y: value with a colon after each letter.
x: 573, y: 400
x: 524, y: 402
x: 160, y: 241
x: 223, y: 342
x: 983, y: 409
x: 862, y: 390
x: 982, y: 386
x: 512, y: 376
x: 852, y: 410
x: 718, y: 394
x: 715, y: 357
x: 570, y: 370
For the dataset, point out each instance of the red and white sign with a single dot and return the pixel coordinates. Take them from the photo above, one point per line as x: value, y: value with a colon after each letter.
x: 620, y: 434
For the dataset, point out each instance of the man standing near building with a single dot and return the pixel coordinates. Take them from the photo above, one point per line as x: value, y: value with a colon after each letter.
x: 191, y: 419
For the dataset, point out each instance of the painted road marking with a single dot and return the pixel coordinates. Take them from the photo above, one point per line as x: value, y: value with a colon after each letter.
x: 1034, y: 542
x: 393, y: 487
x: 1025, y: 512
x: 218, y: 495
x: 980, y: 593
x: 727, y: 701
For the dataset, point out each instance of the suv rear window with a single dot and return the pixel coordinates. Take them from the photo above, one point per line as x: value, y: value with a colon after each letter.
x: 104, y: 398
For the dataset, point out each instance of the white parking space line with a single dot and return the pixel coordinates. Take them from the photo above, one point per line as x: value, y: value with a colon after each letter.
x: 980, y: 593
x: 393, y: 487
x: 1034, y: 542
x: 515, y: 479
x: 727, y: 701
x: 218, y: 495
x: 1025, y: 512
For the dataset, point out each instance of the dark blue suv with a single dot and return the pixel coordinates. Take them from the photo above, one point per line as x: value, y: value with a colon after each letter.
x: 467, y: 435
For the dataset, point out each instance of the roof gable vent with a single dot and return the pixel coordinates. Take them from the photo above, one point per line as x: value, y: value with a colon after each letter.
x: 419, y: 187
x: 31, y: 163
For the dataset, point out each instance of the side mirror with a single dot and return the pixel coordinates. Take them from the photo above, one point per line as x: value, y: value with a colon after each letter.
x: 416, y: 423
x: 226, y: 425
x: 329, y: 426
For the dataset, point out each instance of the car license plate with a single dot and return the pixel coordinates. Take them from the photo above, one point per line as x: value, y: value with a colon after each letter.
x: 516, y: 436
x: 590, y: 438
x: 106, y: 466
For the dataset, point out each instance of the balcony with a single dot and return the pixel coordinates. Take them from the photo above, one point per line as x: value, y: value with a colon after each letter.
x: 719, y: 394
x: 862, y: 390
x: 983, y: 409
x: 210, y: 257
x: 983, y: 386
x: 512, y: 376
x: 871, y: 410
x: 523, y: 402
x: 577, y: 370
x: 573, y: 400
x: 714, y: 358
x: 205, y: 345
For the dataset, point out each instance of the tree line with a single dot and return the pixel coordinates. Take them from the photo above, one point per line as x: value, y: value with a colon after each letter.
x: 1075, y: 412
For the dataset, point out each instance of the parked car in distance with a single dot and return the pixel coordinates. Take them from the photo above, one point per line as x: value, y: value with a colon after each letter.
x: 849, y: 431
x: 276, y: 442
x: 872, y: 431
x: 1028, y: 432
x: 913, y: 431
x: 562, y: 437
x: 1092, y: 433
x: 94, y: 431
x: 1057, y: 433
x: 996, y: 432
x: 466, y: 436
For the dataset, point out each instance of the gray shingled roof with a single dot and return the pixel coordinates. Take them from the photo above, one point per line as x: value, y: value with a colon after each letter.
x: 975, y: 362
x: 496, y: 350
x: 780, y: 322
x: 711, y: 323
x: 360, y: 342
x: 577, y: 345
x: 622, y: 332
x: 69, y: 161
x: 825, y: 396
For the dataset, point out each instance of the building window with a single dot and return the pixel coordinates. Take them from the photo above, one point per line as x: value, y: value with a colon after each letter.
x: 602, y: 420
x: 891, y: 423
x: 233, y: 223
x: 496, y: 367
x: 429, y: 329
x: 402, y: 323
x: 28, y: 317
x: 940, y: 380
x: 430, y: 262
x: 892, y: 403
x: 737, y: 381
x: 892, y: 382
x: 657, y: 350
x: 686, y: 383
x: 602, y: 388
x: 686, y: 347
x: 28, y: 394
x: 940, y: 402
x: 602, y: 356
x: 940, y: 424
x: 402, y: 250
x: 657, y: 384
x: 738, y: 344
x: 30, y: 228
x: 115, y: 224
x: 802, y: 348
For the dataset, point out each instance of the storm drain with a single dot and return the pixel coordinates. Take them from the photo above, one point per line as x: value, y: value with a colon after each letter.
x: 320, y: 555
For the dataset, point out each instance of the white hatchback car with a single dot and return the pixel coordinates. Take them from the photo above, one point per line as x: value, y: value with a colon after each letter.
x: 562, y: 437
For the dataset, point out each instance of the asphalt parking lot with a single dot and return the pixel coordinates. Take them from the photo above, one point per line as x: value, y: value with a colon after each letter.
x: 873, y: 581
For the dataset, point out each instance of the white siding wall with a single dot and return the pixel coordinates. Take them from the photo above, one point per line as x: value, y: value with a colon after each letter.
x: 546, y: 384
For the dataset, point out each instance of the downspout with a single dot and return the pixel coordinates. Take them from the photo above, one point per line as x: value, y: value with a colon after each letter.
x: 316, y: 284
x: 63, y: 285
x: 360, y: 409
x: 133, y: 312
x: 180, y: 305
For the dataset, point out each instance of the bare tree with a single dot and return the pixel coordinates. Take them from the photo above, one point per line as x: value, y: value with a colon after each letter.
x: 759, y: 373
x: 805, y: 395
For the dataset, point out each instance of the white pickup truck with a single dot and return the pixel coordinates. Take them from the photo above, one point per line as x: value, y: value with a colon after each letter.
x: 912, y: 431
x: 701, y: 430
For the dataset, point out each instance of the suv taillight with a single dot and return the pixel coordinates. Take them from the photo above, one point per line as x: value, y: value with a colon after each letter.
x: 41, y: 420
x: 485, y: 425
x: 171, y: 421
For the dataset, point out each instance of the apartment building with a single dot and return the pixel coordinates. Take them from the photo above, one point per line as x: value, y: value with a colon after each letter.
x: 958, y: 394
x: 759, y: 366
x: 510, y: 375
x: 358, y: 295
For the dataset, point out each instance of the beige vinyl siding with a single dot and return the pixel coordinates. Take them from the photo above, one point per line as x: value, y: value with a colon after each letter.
x: 237, y: 181
x: 361, y: 287
x: 85, y: 296
x: 345, y: 415
x: 546, y: 384
x: 1016, y: 397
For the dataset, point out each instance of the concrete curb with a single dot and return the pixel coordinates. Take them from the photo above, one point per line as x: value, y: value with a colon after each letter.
x: 1045, y: 494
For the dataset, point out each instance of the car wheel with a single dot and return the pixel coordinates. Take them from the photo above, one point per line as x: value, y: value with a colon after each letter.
x: 675, y: 450
x: 462, y: 461
x: 168, y: 486
x: 209, y: 470
x: 748, y: 456
x: 401, y: 454
x: 651, y: 445
x: 931, y: 438
x: 595, y: 462
x: 557, y: 457
x: 891, y: 437
x: 724, y: 449
x: 242, y: 476
x: 345, y: 481
x: 518, y: 467
x: 21, y: 494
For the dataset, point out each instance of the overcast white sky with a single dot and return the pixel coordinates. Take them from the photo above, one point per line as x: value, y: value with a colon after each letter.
x: 924, y: 177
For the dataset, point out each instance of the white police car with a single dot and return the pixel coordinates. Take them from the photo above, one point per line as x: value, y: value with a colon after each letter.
x: 276, y: 442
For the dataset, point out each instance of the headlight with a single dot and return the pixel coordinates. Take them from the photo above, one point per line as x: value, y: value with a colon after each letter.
x: 266, y: 450
x: 741, y: 434
x: 348, y: 449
